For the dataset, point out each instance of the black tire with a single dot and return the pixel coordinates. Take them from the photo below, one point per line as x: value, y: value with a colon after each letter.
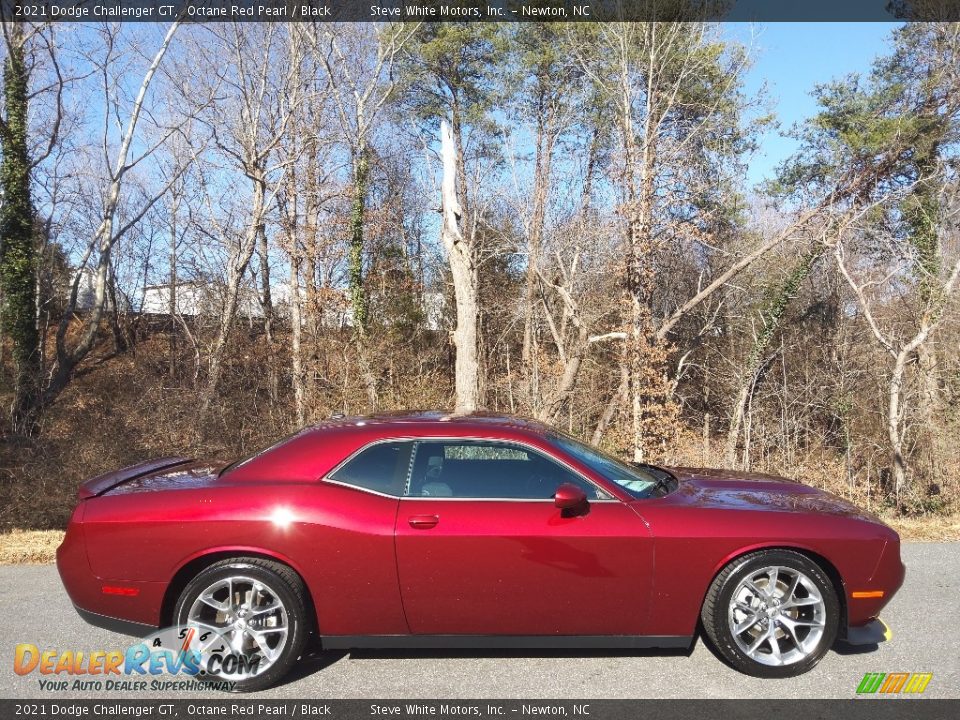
x: 287, y: 586
x: 717, y: 624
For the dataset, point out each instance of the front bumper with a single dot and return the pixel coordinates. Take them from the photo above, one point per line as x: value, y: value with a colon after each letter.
x: 873, y: 633
x: 887, y: 578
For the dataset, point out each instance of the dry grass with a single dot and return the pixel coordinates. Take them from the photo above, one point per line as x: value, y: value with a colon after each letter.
x: 29, y: 547
x: 927, y: 528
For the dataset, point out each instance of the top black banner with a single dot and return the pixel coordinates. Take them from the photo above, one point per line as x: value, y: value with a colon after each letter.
x: 486, y: 10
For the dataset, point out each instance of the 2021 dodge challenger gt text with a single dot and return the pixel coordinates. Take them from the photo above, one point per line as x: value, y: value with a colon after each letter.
x: 442, y: 531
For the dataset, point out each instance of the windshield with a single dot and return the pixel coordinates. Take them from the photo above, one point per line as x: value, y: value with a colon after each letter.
x: 639, y: 480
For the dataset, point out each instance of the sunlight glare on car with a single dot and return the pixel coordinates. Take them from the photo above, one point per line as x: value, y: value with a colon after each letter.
x: 282, y: 517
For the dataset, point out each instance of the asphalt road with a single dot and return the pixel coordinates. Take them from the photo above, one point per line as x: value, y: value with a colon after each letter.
x: 924, y: 617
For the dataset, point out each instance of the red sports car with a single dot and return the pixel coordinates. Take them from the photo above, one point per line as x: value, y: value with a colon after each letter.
x: 437, y: 531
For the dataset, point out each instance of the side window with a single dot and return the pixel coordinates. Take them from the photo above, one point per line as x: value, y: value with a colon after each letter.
x: 381, y: 468
x: 474, y: 469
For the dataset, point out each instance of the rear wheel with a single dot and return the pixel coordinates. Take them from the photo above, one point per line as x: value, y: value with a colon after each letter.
x: 772, y: 613
x: 254, y: 613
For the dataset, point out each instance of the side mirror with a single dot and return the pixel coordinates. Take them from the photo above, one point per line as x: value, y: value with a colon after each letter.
x: 570, y: 497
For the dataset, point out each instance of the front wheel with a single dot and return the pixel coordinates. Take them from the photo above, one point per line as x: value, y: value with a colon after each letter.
x: 251, y: 614
x: 772, y: 614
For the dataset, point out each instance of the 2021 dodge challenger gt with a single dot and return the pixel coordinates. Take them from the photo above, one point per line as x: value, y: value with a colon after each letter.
x: 434, y: 530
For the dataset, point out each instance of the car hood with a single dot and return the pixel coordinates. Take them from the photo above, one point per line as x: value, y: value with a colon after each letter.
x: 758, y: 491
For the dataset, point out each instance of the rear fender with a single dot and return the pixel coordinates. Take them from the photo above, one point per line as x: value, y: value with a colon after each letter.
x: 192, y: 565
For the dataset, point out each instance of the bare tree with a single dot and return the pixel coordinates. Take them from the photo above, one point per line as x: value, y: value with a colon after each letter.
x: 669, y: 91
x: 461, y: 255
x: 305, y: 189
x: 108, y: 233
x: 248, y: 129
x: 759, y: 359
x: 359, y: 61
x: 902, y: 348
x: 546, y: 95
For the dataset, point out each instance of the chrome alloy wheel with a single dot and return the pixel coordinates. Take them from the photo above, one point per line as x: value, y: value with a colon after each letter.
x: 245, y: 614
x: 777, y: 615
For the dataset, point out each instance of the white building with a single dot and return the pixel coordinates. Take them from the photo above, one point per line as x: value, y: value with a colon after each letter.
x: 86, y: 291
x: 200, y: 298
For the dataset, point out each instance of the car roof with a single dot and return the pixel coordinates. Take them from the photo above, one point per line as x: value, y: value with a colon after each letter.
x: 431, y: 421
x: 315, y: 450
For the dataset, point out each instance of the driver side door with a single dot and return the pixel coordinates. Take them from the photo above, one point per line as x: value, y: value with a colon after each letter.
x: 483, y: 550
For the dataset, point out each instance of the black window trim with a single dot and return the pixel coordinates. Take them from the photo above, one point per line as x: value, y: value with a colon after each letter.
x: 327, y: 478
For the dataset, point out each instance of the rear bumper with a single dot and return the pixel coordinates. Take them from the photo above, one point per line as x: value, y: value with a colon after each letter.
x: 84, y: 588
x: 117, y: 625
x: 139, y: 608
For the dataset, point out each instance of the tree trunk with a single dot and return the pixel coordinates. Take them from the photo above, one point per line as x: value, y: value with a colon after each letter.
x: 923, y: 213
x: 18, y: 256
x: 560, y: 399
x: 236, y: 270
x: 653, y: 413
x: 358, y: 300
x: 234, y: 277
x: 119, y: 338
x: 651, y: 409
x: 310, y: 310
x: 290, y: 222
x: 465, y: 280
x: 67, y: 360
x: 929, y: 406
x: 736, y: 417
x: 266, y: 298
x: 894, y: 422
x: 616, y: 400
x: 367, y: 374
x: 541, y: 181
x: 172, y: 308
x: 771, y: 316
x: 296, y: 332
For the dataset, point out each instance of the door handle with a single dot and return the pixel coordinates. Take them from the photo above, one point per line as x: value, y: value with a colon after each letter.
x: 423, y: 522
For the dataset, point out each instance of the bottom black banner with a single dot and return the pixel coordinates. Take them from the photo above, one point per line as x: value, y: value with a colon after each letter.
x: 240, y: 708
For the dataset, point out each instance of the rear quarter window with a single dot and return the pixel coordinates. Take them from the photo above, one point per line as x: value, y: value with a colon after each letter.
x: 380, y: 468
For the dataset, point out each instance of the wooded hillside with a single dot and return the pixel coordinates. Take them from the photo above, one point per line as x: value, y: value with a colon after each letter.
x: 548, y: 220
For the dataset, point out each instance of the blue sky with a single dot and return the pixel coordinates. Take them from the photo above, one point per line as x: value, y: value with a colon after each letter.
x: 792, y: 58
